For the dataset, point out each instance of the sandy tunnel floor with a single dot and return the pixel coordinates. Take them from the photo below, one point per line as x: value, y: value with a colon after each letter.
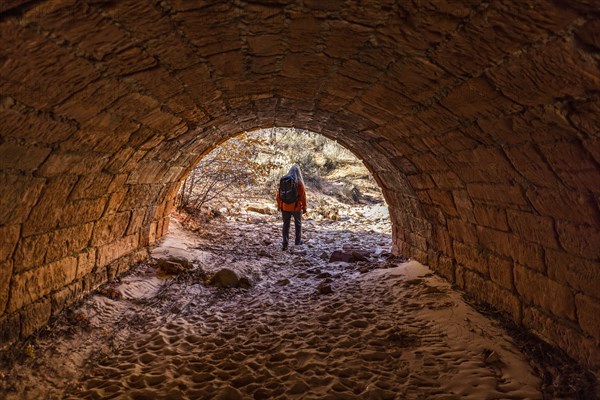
x: 388, y: 330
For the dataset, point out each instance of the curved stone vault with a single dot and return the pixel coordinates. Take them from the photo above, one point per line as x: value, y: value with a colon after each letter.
x: 480, y: 121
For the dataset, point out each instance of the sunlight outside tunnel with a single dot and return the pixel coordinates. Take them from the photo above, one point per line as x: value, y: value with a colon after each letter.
x: 238, y: 180
x: 243, y: 174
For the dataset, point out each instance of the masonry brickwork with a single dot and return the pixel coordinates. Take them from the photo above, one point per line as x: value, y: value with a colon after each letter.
x: 479, y: 120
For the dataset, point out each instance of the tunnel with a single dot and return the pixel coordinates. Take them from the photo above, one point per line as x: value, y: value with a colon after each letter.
x: 479, y: 120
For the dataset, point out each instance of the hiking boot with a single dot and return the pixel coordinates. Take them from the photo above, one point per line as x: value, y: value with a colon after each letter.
x: 299, y: 243
x: 284, y: 247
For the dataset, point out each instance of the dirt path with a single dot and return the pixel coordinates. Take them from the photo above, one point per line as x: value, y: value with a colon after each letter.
x: 388, y: 329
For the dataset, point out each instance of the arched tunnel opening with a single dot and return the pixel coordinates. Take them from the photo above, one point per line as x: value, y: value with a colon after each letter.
x: 235, y: 189
x: 478, y: 120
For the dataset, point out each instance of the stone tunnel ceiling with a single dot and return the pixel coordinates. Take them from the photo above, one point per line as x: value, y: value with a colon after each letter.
x: 480, y: 121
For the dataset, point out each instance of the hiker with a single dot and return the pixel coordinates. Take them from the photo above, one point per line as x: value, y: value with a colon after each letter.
x: 291, y: 201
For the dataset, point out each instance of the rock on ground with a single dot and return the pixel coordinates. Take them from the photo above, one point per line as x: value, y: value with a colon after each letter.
x: 225, y: 278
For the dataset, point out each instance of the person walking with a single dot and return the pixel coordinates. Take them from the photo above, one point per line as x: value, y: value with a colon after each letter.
x: 291, y: 201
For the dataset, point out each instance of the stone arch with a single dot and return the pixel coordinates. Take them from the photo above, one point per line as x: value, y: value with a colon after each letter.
x: 406, y: 211
x: 479, y: 120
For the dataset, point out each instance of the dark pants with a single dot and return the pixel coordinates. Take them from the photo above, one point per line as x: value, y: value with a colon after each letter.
x: 287, y: 217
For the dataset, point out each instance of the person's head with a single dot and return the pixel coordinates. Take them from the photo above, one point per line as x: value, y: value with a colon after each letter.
x: 295, y: 170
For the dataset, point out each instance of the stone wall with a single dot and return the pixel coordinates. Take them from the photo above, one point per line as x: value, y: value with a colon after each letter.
x: 478, y: 119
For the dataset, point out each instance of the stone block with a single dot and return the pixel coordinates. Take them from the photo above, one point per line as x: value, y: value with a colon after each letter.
x: 93, y: 280
x: 482, y: 164
x: 159, y: 83
x: 32, y: 285
x: 433, y: 214
x: 588, y: 33
x: 485, y: 44
x: 582, y: 180
x: 122, y: 265
x: 66, y: 296
x: 22, y: 158
x: 443, y: 242
x: 152, y: 233
x: 565, y: 205
x: 138, y: 256
x: 588, y: 315
x: 416, y: 240
x: 529, y: 162
x: 462, y: 231
x: 509, y: 245
x: 470, y: 257
x: 159, y: 228
x: 428, y: 162
x: 445, y: 268
x: 580, y: 274
x: 140, y: 196
x: 114, y: 201
x: 544, y: 125
x: 558, y: 58
x: 418, y: 254
x: 421, y: 181
x: 9, y: 236
x: 184, y: 106
x: 118, y: 183
x: 92, y: 137
x: 544, y: 292
x: 435, y: 119
x: 532, y: 228
x: 114, y: 250
x: 147, y: 172
x: 586, y: 116
x: 89, y: 102
x: 68, y: 241
x: 490, y: 216
x: 48, y: 82
x: 567, y: 156
x: 110, y: 228
x: 165, y: 226
x: 34, y: 128
x: 82, y: 211
x: 72, y: 163
x: 10, y: 329
x: 503, y: 195
x: 6, y: 270
x: 433, y: 258
x: 172, y: 51
x: 488, y: 292
x: 116, y: 164
x: 446, y: 180
x: 579, y: 240
x: 163, y: 121
x: 464, y: 205
x: 34, y: 316
x: 562, y: 334
x: 459, y: 275
x: 92, y: 186
x: 476, y: 98
x: 444, y: 199
x: 19, y: 195
x: 50, y: 208
x: 174, y: 174
x: 31, y: 252
x: 134, y: 104
x: 136, y: 221
x: 501, y: 271
x: 160, y: 211
x: 86, y: 261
